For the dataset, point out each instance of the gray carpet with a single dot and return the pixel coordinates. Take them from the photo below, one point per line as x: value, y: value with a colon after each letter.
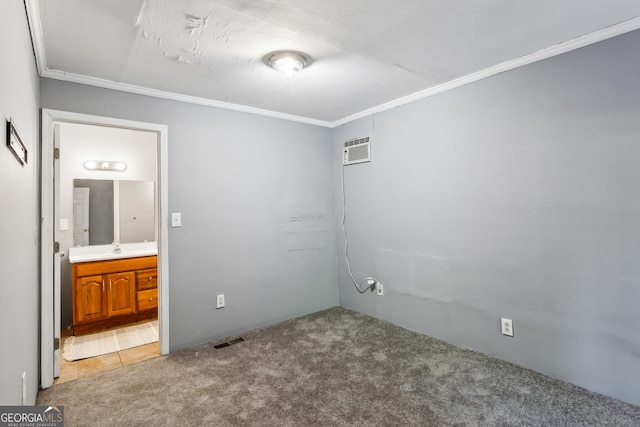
x: 332, y: 368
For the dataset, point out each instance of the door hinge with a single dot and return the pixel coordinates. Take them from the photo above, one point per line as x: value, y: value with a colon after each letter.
x: 56, y: 343
x: 56, y: 154
x: 56, y: 247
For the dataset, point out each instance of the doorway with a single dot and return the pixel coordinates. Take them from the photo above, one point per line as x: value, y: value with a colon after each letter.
x: 51, y: 222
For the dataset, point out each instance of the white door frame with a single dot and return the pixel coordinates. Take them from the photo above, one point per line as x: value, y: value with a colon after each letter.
x: 49, y: 118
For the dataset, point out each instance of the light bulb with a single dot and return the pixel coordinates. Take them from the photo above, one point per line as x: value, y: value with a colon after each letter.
x: 287, y: 62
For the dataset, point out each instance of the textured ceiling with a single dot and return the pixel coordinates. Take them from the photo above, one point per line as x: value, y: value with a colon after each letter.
x: 366, y: 55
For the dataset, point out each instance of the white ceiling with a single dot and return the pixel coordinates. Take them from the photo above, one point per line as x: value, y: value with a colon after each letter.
x: 367, y: 55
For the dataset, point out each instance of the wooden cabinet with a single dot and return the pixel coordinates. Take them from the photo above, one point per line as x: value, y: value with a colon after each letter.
x: 121, y: 295
x: 148, y: 299
x: 113, y: 293
x: 90, y: 299
x: 147, y: 281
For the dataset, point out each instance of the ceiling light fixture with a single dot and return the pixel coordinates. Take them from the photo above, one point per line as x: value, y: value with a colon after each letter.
x: 288, y: 62
x: 102, y: 165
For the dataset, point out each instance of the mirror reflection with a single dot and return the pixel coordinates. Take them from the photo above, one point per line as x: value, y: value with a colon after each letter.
x: 113, y: 211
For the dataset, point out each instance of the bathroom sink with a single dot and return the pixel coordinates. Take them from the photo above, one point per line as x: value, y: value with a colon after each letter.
x: 106, y: 252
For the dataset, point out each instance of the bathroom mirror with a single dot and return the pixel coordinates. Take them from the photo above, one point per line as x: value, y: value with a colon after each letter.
x: 107, y: 211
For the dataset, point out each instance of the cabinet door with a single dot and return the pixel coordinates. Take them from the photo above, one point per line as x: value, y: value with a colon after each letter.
x: 90, y: 299
x: 122, y: 293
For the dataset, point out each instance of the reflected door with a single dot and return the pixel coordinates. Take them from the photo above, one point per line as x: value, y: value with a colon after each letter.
x: 80, y: 216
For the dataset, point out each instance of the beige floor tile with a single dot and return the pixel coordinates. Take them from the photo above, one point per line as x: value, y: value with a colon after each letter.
x: 94, y: 365
x: 68, y: 372
x: 83, y: 368
x: 138, y: 354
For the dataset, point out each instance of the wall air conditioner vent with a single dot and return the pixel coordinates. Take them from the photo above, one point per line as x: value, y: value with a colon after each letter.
x: 356, y: 150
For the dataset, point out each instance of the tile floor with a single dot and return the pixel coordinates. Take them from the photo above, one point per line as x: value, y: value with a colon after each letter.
x: 86, y: 367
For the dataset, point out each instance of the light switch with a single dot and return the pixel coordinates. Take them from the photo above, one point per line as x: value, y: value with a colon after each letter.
x: 176, y: 219
x: 64, y: 224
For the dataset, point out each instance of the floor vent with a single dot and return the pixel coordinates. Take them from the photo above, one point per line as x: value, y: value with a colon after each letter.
x: 228, y: 343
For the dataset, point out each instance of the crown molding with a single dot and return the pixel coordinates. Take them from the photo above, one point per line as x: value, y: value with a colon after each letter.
x: 577, y: 43
x: 33, y: 15
x: 140, y: 90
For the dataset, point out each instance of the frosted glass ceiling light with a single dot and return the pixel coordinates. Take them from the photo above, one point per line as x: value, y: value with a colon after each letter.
x: 101, y: 165
x: 286, y: 61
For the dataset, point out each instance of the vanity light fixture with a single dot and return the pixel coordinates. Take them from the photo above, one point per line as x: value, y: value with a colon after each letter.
x: 286, y: 61
x: 103, y: 165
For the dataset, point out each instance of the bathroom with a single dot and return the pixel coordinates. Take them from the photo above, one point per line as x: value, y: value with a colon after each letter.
x: 118, y: 220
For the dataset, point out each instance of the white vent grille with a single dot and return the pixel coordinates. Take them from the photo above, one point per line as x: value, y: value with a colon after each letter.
x: 357, y: 150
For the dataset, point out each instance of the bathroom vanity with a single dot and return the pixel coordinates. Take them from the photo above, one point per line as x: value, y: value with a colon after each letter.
x: 113, y: 286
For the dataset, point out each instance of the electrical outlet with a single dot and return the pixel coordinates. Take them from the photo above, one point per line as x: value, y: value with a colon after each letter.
x: 507, y: 327
x: 220, y: 301
x: 380, y: 289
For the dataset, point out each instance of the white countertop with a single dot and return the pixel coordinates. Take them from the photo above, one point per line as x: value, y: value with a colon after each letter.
x: 106, y: 252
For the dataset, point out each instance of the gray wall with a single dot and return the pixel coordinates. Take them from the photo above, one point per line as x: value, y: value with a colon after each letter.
x: 255, y: 195
x: 19, y: 253
x: 517, y: 196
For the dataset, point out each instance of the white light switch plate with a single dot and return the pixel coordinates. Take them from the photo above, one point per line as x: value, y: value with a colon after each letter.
x: 176, y: 219
x: 64, y: 224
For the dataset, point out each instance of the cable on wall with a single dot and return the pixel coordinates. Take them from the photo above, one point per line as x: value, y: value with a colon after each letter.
x: 370, y: 282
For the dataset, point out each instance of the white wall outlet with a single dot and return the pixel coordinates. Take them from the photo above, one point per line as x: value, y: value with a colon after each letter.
x: 220, y: 301
x: 380, y: 289
x: 176, y: 219
x: 507, y: 326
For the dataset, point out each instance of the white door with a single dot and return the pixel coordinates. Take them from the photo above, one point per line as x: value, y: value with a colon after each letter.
x: 81, y: 216
x: 56, y: 254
